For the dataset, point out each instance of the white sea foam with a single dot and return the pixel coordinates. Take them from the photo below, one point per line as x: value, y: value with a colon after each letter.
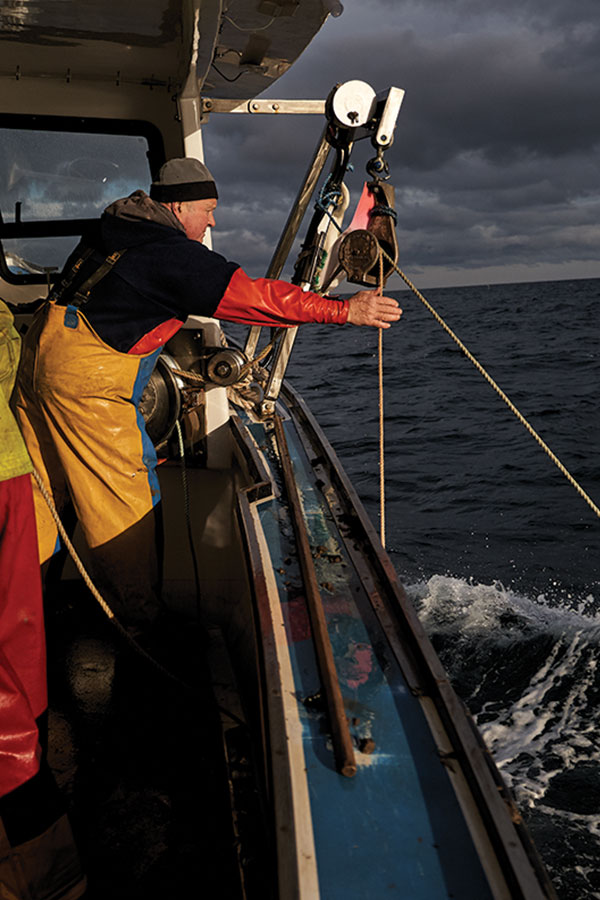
x: 529, y: 671
x: 478, y: 606
x: 485, y: 621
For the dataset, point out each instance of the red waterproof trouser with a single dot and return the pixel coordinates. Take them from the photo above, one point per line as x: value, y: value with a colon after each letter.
x: 23, y: 693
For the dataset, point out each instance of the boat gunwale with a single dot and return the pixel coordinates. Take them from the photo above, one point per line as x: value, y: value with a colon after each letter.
x: 521, y: 864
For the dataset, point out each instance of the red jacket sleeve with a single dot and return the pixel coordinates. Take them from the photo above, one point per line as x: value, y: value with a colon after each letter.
x: 265, y: 301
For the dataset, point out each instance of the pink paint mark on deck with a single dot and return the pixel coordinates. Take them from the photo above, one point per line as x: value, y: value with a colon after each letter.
x: 297, y: 620
x: 356, y: 665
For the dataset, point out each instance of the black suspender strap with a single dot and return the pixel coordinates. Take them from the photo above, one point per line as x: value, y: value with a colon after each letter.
x: 82, y: 295
x: 57, y: 292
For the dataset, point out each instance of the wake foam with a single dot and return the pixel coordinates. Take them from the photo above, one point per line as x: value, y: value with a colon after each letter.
x: 529, y: 672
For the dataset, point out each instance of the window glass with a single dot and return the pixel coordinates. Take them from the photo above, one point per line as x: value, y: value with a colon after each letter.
x: 35, y: 256
x: 47, y: 176
x: 66, y: 175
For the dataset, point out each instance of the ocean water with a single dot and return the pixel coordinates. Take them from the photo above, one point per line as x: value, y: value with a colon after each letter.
x: 498, y: 552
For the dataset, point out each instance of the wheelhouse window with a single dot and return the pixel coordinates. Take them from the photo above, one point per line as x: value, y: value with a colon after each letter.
x: 57, y: 176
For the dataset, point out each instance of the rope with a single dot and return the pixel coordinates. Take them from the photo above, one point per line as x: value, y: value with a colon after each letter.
x: 381, y: 417
x: 96, y: 593
x: 381, y: 443
x: 109, y: 612
x: 384, y: 210
x: 329, y: 197
x: 193, y: 376
x: 562, y: 468
x: 74, y: 555
x: 188, y: 518
x: 259, y: 358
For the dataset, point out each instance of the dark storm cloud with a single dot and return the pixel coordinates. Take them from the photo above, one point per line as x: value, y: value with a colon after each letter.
x: 258, y: 165
x: 495, y: 157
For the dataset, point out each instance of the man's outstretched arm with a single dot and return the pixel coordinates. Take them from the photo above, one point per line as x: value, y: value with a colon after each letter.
x: 264, y: 301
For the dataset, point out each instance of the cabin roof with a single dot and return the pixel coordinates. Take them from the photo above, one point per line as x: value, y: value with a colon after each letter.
x: 230, y: 52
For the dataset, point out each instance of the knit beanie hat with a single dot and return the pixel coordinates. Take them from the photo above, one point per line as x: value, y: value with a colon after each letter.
x: 183, y: 179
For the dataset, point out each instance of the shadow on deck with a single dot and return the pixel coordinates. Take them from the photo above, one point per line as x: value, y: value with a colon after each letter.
x: 139, y: 761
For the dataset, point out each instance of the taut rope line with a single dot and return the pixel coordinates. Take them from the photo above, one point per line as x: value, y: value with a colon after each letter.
x: 381, y: 440
x: 381, y: 417
x: 496, y: 387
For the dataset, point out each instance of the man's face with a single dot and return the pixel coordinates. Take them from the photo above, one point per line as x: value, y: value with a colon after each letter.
x: 195, y: 216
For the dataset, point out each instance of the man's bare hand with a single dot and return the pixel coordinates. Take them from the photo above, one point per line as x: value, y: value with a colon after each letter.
x: 371, y: 308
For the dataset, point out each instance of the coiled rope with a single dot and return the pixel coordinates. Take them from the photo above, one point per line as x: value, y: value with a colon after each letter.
x: 562, y: 468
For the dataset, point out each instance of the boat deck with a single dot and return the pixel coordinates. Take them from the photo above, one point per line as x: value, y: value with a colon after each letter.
x: 140, y: 762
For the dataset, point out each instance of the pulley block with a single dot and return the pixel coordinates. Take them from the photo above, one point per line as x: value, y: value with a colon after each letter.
x: 358, y: 253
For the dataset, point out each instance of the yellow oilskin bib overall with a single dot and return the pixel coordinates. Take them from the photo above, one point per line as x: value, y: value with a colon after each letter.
x: 77, y: 404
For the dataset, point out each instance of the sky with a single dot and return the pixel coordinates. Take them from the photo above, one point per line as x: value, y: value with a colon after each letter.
x: 495, y: 161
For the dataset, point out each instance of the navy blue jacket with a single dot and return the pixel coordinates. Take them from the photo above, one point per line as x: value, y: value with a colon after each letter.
x: 163, y: 275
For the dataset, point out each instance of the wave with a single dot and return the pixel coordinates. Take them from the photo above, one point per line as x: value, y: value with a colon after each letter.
x: 529, y: 671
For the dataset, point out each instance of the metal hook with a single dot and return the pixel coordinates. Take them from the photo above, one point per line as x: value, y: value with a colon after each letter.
x: 378, y: 167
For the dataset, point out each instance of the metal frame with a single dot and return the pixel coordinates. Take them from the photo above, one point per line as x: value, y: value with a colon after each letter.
x: 385, y: 111
x: 261, y: 107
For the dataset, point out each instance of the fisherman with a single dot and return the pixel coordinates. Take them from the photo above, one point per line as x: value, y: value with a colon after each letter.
x: 37, y: 853
x: 125, y: 290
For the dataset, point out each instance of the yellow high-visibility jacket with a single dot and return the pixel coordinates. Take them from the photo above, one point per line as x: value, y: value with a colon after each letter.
x: 14, y: 459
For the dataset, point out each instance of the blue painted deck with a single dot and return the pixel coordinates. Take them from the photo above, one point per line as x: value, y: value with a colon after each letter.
x: 396, y: 828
